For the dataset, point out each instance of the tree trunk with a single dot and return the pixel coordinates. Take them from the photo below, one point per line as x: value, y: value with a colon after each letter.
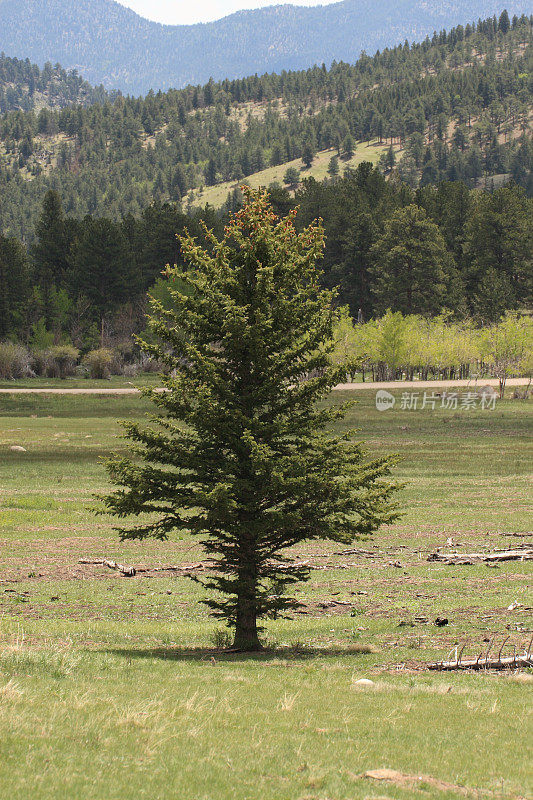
x: 246, y: 635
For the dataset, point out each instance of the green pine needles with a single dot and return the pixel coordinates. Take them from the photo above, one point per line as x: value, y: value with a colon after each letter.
x: 239, y: 452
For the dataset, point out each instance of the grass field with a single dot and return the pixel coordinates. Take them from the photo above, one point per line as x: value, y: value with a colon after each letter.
x: 120, y: 381
x: 113, y: 688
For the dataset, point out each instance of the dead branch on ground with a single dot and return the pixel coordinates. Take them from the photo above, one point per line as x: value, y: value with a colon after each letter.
x: 524, y: 553
x: 486, y: 661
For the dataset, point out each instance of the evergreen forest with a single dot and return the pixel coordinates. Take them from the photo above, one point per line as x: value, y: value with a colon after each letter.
x: 95, y: 187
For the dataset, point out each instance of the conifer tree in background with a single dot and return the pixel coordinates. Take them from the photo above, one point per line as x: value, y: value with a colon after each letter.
x: 292, y: 177
x: 51, y: 252
x: 498, y: 246
x: 14, y: 287
x: 101, y: 270
x: 504, y: 23
x: 211, y: 172
x: 333, y: 167
x: 308, y: 154
x: 348, y: 147
x: 390, y: 159
x: 238, y: 454
x: 413, y: 270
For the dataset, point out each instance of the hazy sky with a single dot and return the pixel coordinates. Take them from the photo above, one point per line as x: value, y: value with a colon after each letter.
x: 175, y: 12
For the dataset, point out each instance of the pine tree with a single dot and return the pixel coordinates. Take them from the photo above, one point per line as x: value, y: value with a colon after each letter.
x: 14, y: 287
x: 179, y: 182
x: 499, y: 240
x: 308, y: 154
x: 157, y: 243
x: 239, y: 454
x: 211, y: 172
x: 493, y: 296
x: 411, y: 264
x: 390, y: 159
x: 51, y: 253
x: 102, y: 271
x: 348, y: 147
x: 333, y: 167
x: 292, y: 177
x: 504, y: 23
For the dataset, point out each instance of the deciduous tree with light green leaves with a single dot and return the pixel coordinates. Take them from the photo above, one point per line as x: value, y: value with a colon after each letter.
x: 240, y: 452
x: 508, y: 347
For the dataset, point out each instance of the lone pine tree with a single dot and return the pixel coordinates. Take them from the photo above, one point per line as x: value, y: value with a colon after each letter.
x: 239, y: 453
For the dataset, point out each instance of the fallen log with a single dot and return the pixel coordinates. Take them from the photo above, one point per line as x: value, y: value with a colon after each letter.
x: 517, y: 554
x: 131, y: 571
x: 509, y: 662
x: 486, y: 661
x: 128, y: 572
x: 209, y: 564
x: 197, y: 567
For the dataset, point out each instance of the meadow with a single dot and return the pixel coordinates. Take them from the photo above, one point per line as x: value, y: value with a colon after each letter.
x: 115, y: 687
x: 363, y: 151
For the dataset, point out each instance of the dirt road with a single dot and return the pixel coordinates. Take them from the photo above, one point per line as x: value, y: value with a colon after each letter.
x: 369, y: 385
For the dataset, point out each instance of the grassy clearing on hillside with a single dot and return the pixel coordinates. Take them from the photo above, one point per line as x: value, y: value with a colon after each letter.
x: 112, y: 687
x: 216, y: 195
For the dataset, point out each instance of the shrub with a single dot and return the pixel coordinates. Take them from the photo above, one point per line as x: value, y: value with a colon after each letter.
x: 99, y: 362
x: 41, y: 338
x: 292, y: 177
x: 130, y: 370
x: 62, y: 361
x: 14, y: 361
x: 117, y: 363
x: 39, y: 362
x: 148, y: 364
x: 126, y: 352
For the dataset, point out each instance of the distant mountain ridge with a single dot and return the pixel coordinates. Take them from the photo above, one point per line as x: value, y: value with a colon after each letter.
x: 453, y: 107
x: 111, y: 45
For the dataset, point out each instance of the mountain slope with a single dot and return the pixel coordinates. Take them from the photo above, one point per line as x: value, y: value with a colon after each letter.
x: 25, y: 87
x: 457, y: 107
x: 110, y: 44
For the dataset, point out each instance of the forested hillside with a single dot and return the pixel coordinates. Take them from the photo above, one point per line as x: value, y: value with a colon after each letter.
x: 92, y: 197
x: 451, y: 250
x: 457, y: 106
x: 25, y: 87
x: 110, y: 44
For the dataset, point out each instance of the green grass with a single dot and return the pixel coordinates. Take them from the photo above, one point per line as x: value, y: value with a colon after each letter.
x: 114, y: 382
x: 112, y: 688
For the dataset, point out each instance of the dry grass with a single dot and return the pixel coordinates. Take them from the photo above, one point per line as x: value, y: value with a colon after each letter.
x: 217, y: 195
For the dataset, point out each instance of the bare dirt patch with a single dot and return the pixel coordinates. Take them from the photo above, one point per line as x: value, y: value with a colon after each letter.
x: 425, y: 783
x: 58, y: 559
